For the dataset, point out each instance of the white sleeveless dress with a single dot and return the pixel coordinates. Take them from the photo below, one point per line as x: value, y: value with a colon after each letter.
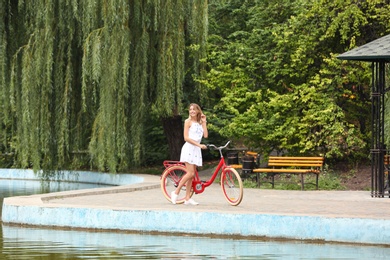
x: 190, y: 153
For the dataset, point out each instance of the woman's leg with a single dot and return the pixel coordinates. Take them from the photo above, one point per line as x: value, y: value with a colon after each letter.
x: 187, y: 179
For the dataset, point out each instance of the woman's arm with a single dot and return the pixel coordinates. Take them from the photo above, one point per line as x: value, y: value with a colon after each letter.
x: 205, y: 131
x: 204, y: 126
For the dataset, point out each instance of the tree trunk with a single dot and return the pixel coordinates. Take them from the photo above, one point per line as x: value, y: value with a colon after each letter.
x: 173, y: 130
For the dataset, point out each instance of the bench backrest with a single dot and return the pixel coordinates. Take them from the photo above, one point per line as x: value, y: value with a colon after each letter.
x: 295, y: 161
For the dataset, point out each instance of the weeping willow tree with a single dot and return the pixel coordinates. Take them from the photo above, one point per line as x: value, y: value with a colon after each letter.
x: 83, y: 76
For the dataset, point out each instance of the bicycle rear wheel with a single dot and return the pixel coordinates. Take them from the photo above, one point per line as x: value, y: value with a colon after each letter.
x: 170, y: 180
x: 231, y: 185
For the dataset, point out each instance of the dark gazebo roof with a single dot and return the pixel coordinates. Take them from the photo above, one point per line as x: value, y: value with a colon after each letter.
x: 377, y: 50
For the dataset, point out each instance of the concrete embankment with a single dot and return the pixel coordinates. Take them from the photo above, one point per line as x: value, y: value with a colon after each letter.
x: 329, y: 216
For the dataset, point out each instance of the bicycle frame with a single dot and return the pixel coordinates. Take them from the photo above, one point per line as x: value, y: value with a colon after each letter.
x: 197, y: 184
x: 231, y: 183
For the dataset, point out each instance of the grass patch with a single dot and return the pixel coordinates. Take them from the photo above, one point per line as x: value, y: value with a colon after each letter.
x: 326, y: 181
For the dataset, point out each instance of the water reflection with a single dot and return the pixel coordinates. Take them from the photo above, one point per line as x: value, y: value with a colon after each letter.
x: 18, y: 243
x: 40, y: 243
x: 12, y: 188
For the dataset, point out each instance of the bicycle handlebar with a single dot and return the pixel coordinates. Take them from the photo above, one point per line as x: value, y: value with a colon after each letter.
x: 218, y: 148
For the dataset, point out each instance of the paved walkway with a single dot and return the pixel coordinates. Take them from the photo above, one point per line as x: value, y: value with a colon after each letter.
x: 356, y: 204
x: 337, y: 216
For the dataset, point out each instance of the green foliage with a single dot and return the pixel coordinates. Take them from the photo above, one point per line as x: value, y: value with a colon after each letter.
x: 80, y: 79
x: 249, y: 184
x: 387, y: 111
x: 277, y: 83
x: 330, y: 181
x: 83, y: 82
x: 110, y: 138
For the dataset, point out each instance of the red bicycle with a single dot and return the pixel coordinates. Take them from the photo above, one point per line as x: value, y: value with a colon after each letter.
x: 231, y: 182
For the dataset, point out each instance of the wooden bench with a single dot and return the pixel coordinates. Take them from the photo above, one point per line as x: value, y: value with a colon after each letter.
x: 293, y: 165
x: 236, y: 166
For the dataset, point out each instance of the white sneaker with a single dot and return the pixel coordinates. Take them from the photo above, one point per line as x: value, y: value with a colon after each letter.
x: 173, y: 197
x: 190, y: 202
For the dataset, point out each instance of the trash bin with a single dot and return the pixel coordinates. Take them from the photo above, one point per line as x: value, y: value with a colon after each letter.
x: 232, y: 158
x: 248, y: 164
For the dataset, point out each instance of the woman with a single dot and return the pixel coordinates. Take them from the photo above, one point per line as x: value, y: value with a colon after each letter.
x: 194, y: 129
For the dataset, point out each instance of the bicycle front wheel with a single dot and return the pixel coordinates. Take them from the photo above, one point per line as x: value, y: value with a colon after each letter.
x: 231, y: 185
x: 170, y: 180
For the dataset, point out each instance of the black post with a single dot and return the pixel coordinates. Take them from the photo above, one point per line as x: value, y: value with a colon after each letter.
x: 378, y: 149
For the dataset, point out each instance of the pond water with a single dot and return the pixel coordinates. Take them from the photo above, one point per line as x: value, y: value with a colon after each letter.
x: 41, y: 243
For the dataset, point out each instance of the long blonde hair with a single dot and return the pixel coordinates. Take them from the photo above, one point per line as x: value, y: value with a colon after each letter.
x: 197, y: 108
